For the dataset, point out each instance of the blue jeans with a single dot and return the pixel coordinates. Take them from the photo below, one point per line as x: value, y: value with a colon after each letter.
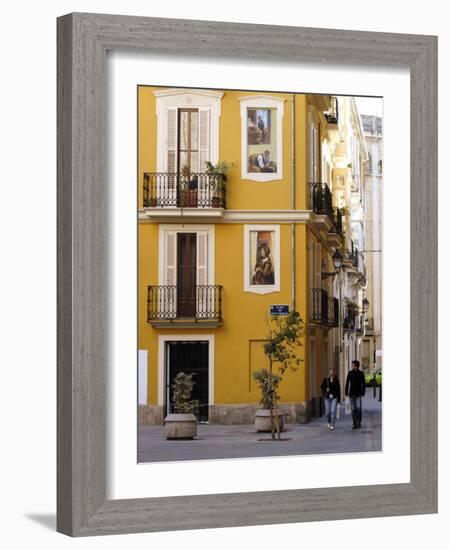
x: 330, y: 408
x: 356, y: 409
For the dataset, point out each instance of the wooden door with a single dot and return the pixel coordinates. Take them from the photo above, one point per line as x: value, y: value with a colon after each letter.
x: 186, y: 275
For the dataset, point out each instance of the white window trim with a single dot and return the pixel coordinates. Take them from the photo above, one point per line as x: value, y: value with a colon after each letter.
x: 261, y: 102
x: 210, y: 338
x: 183, y: 98
x: 262, y: 289
x: 164, y: 229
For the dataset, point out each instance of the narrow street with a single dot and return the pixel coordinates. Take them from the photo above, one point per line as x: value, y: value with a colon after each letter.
x: 241, y: 441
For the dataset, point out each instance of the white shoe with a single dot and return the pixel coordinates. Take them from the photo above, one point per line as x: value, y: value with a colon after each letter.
x: 332, y: 427
x: 328, y: 425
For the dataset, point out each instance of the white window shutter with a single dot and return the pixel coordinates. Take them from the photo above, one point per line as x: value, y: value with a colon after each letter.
x: 168, y: 185
x: 204, y: 295
x: 201, y: 267
x: 169, y: 296
x: 204, y: 138
x: 172, y: 115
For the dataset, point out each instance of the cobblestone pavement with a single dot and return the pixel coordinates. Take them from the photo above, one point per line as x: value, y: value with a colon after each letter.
x: 241, y: 441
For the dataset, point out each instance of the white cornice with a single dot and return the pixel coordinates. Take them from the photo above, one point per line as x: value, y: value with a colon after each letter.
x: 259, y: 97
x: 267, y: 215
x: 229, y: 216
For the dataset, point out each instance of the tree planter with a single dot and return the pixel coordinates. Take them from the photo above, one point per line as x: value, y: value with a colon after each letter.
x: 180, y: 426
x: 262, y: 421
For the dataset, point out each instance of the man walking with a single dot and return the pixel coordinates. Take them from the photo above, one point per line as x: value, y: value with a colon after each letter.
x: 355, y: 389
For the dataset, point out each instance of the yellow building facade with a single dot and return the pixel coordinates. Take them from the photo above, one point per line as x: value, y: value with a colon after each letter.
x: 216, y: 251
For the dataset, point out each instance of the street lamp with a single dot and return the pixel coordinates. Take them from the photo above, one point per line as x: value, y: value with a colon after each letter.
x: 337, y: 258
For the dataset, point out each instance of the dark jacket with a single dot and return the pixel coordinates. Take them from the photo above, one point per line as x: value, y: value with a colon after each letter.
x: 355, y: 383
x: 331, y: 388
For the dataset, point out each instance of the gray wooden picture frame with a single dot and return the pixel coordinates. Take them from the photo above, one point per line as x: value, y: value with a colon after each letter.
x: 83, y: 40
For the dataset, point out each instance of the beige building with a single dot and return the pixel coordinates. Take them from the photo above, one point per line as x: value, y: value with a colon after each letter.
x: 341, y: 154
x: 372, y: 342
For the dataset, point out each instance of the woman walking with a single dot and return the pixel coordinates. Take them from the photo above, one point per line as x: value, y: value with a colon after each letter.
x: 330, y: 389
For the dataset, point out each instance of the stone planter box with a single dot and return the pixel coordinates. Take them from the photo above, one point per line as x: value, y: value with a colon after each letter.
x: 262, y: 421
x: 180, y: 426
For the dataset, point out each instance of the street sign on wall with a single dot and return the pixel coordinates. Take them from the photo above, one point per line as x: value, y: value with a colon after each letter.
x: 279, y: 309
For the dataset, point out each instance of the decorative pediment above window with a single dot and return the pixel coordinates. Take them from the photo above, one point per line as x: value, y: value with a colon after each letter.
x: 204, y: 132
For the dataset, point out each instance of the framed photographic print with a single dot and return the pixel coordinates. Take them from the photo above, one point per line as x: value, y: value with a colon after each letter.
x: 232, y: 321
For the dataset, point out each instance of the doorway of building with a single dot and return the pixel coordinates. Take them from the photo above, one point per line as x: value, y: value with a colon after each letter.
x: 190, y: 357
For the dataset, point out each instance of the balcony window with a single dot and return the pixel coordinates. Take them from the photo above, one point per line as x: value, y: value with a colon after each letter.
x: 187, y: 129
x: 321, y: 202
x: 188, y: 138
x: 332, y: 114
x: 186, y: 288
x: 324, y: 309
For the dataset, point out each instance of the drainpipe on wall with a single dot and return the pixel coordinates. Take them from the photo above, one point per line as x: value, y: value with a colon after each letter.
x: 293, y: 207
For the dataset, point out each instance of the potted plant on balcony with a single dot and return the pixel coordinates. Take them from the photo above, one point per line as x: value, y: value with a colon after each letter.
x: 281, y: 350
x: 182, y: 423
x: 218, y: 175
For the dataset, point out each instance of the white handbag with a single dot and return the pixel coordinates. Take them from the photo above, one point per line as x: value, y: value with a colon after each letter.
x: 347, y: 406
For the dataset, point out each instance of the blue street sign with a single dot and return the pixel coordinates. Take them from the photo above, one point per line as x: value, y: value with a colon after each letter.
x: 279, y: 309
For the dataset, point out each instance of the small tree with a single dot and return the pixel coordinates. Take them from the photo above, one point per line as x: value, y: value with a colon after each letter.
x: 182, y: 388
x: 262, y: 377
x: 281, y: 350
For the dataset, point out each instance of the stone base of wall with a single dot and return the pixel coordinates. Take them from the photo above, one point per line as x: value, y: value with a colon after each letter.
x: 151, y: 415
x: 303, y: 412
x: 232, y: 414
x: 316, y: 407
x: 296, y: 413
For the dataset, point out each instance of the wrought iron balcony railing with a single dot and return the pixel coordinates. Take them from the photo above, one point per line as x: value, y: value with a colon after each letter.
x: 354, y: 255
x: 338, y: 222
x: 333, y: 316
x: 172, y: 303
x: 325, y: 309
x: 320, y: 307
x: 332, y: 114
x: 321, y: 203
x: 172, y: 189
x: 359, y: 322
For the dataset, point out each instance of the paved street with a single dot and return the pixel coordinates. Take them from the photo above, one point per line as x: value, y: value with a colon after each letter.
x: 216, y: 441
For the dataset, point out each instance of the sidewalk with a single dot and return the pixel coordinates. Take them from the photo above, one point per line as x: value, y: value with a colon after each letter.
x: 241, y: 441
